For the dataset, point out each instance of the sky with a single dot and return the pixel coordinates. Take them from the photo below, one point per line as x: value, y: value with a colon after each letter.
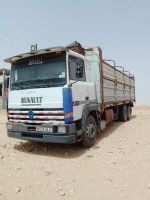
x: 120, y: 27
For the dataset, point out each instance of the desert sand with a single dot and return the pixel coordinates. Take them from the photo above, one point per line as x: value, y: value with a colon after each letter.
x: 116, y: 167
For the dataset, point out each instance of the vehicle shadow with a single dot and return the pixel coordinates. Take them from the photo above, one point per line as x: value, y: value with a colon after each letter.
x: 110, y: 129
x: 64, y: 150
x: 50, y: 149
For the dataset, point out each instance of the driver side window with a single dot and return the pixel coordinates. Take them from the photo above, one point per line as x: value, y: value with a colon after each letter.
x: 76, y: 69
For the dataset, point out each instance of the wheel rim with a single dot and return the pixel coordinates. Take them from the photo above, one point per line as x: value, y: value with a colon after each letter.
x: 91, y: 131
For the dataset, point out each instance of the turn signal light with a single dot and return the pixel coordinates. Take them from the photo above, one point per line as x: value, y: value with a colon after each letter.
x: 69, y: 114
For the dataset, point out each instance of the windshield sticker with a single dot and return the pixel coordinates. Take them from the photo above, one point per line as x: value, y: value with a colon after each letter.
x: 37, y: 61
x: 62, y: 75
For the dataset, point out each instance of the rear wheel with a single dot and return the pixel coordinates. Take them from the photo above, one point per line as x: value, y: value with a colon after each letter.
x: 123, y: 113
x: 89, y: 132
x: 129, y: 111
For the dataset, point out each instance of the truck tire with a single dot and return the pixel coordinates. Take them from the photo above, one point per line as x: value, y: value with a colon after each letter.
x: 129, y: 111
x: 89, y: 132
x: 123, y: 113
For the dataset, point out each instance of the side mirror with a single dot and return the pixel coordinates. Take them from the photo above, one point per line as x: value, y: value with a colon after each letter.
x: 79, y: 72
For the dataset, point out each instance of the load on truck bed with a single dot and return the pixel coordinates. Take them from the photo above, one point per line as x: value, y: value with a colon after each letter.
x: 66, y: 94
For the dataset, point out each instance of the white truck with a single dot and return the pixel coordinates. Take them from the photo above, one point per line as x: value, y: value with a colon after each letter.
x: 66, y: 95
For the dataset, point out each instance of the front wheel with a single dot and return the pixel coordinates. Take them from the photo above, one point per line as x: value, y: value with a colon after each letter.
x: 89, y: 132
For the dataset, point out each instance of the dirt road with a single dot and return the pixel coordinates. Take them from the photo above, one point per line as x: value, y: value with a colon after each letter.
x: 117, y: 167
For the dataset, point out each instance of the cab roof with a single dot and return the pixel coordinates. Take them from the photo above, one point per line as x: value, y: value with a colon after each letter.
x: 38, y: 52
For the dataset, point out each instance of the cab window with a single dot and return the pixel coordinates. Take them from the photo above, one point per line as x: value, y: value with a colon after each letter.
x: 76, y: 69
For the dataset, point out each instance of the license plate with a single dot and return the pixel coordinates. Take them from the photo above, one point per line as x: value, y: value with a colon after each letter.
x: 43, y: 129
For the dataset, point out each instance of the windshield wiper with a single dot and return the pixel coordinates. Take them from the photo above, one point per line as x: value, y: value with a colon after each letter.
x: 46, y: 85
x: 60, y: 83
x: 32, y: 86
x: 53, y: 84
x: 41, y: 85
x: 19, y: 88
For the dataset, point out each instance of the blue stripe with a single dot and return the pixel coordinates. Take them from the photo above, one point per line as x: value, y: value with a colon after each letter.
x: 67, y: 103
x: 68, y: 119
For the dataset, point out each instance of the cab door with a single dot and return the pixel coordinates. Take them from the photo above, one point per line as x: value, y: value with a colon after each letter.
x: 79, y: 85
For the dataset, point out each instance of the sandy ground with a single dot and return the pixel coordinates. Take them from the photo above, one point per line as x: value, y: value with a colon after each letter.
x: 117, y: 167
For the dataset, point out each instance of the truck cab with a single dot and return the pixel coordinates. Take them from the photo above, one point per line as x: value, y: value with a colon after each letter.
x: 48, y: 91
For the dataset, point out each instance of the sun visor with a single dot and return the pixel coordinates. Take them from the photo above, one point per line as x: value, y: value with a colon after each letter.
x: 34, y: 53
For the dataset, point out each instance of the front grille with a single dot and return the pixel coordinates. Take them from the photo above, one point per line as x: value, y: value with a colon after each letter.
x: 46, y: 116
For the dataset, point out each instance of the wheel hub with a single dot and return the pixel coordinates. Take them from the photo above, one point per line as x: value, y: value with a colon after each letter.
x: 91, y: 131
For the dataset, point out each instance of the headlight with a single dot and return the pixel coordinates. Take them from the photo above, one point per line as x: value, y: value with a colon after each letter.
x: 9, y: 126
x: 61, y: 129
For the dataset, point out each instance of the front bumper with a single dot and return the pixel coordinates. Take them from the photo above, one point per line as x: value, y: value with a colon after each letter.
x: 66, y: 139
x: 28, y: 132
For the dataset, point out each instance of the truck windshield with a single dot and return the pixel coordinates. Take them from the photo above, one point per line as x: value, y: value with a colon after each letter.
x: 39, y: 72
